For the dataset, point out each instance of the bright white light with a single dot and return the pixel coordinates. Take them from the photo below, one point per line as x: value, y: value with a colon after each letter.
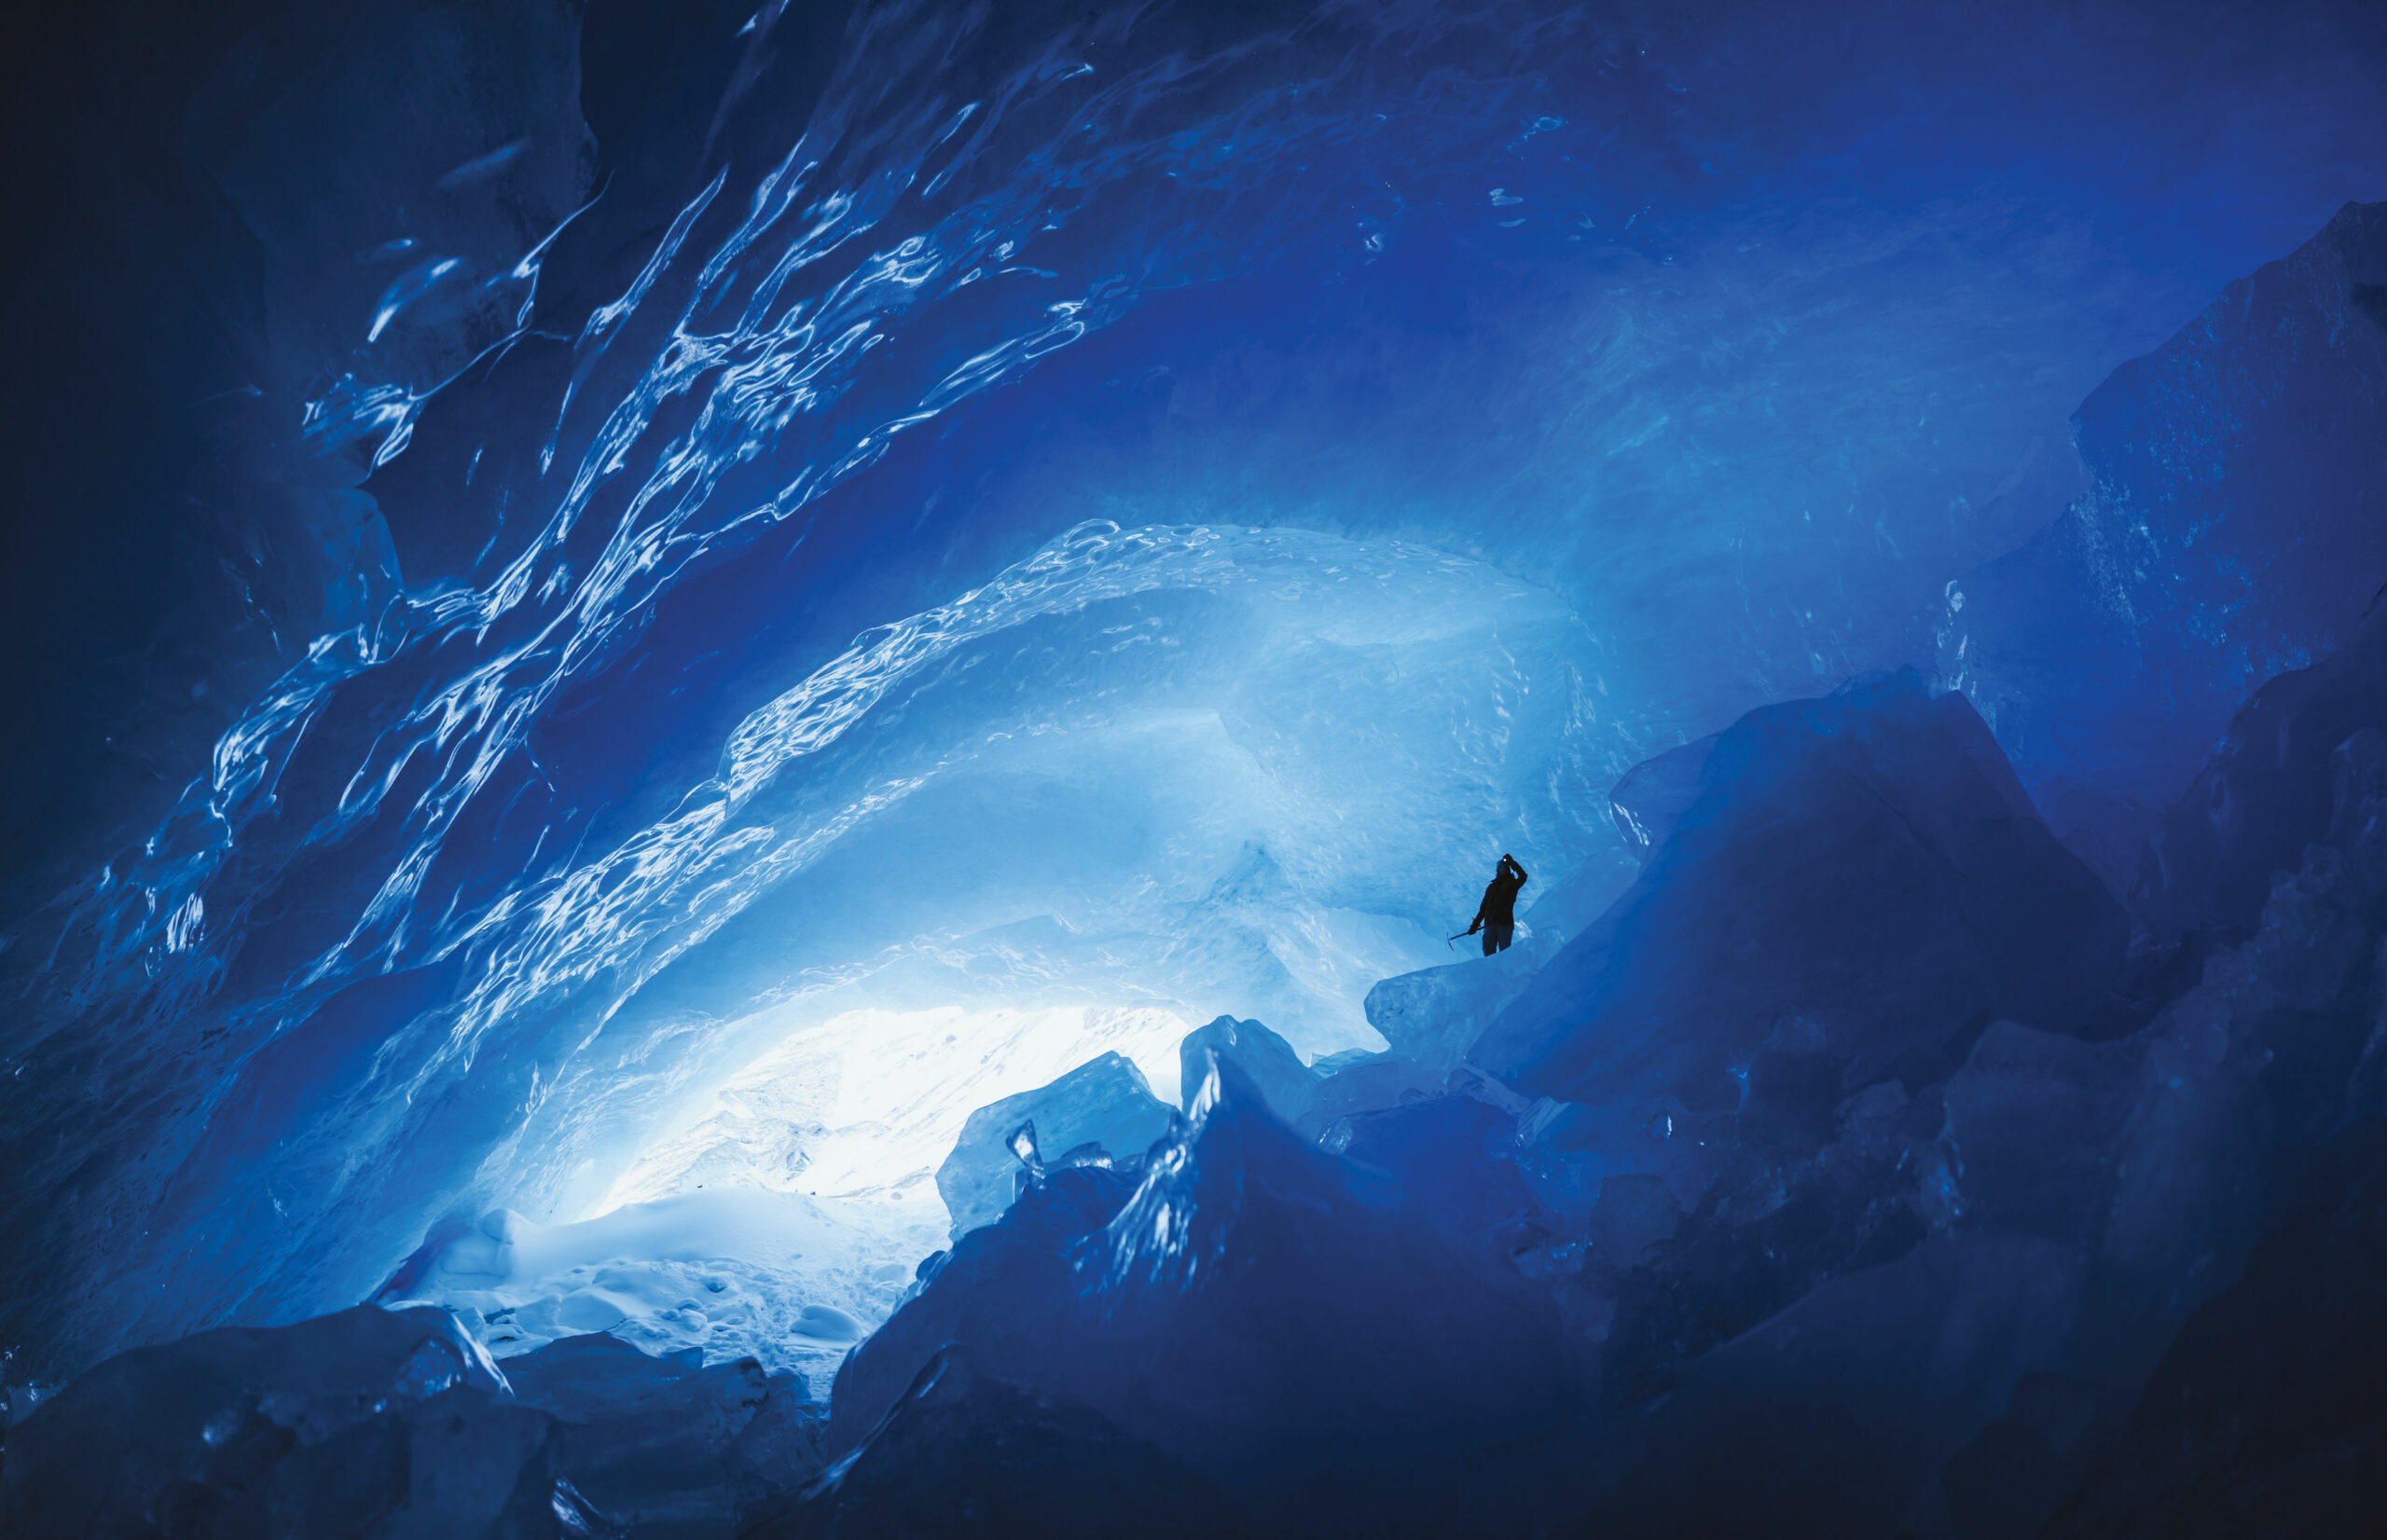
x: 866, y: 1105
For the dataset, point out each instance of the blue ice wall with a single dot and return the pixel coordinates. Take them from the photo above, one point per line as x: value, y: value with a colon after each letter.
x: 910, y: 504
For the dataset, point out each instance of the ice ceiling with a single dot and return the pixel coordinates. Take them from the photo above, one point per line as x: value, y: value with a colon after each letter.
x: 1039, y: 528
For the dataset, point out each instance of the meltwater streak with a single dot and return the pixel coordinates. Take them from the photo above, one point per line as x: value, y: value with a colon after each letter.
x: 946, y: 162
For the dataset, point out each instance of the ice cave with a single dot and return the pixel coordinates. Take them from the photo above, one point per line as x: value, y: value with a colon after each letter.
x: 755, y: 756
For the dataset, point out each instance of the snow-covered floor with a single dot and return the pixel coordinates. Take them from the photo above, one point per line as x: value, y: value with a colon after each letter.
x: 786, y: 1219
x: 732, y: 1272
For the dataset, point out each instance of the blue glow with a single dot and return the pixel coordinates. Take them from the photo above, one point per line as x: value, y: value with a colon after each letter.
x: 794, y: 576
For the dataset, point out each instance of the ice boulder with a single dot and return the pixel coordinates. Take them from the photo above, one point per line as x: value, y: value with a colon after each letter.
x: 1860, y: 880
x: 2268, y: 792
x: 1356, y: 1083
x: 2234, y: 528
x: 1455, y: 1158
x: 1651, y: 798
x: 1432, y: 1017
x: 2268, y: 1415
x: 2034, y: 1120
x: 964, y: 1454
x: 364, y: 1421
x: 671, y: 1446
x: 1284, y: 1320
x: 1287, y: 1084
x: 1102, y: 1110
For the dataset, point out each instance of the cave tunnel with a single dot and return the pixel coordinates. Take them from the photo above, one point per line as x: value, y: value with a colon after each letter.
x: 755, y: 752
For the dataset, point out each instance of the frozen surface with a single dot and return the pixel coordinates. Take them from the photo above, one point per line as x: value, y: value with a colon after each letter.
x: 1101, y: 1112
x: 666, y: 1446
x: 362, y: 1420
x: 636, y: 609
x: 1858, y: 881
x: 1253, y: 1306
x: 1968, y: 1292
x: 866, y: 1105
x: 2232, y: 529
x: 394, y: 1422
x: 1111, y: 511
x: 1433, y: 1016
x: 729, y: 1272
x: 1014, y: 1462
x: 1287, y: 1084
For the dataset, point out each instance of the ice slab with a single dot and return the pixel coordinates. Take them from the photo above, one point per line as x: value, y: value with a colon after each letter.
x: 1433, y: 1016
x: 2231, y: 532
x: 2266, y: 794
x: 1257, y: 1306
x: 865, y: 1105
x: 962, y: 1448
x: 369, y: 1421
x: 1287, y: 1084
x: 1858, y: 879
x: 1652, y: 796
x: 670, y: 1446
x: 1103, y: 1112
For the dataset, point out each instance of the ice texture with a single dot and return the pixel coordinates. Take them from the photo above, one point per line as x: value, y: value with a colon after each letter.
x: 1859, y: 879
x: 863, y: 1106
x: 622, y: 601
x: 1433, y: 1016
x: 2232, y: 529
x: 394, y: 1422
x: 964, y: 1454
x: 369, y: 1421
x: 1652, y: 797
x: 1101, y: 1112
x: 1261, y: 1310
x: 2269, y: 792
x: 1288, y: 1085
x: 632, y: 615
x: 726, y: 1274
x: 1999, y: 1287
x: 665, y: 1447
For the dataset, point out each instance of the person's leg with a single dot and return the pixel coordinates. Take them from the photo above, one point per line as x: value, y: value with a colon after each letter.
x: 1491, y: 940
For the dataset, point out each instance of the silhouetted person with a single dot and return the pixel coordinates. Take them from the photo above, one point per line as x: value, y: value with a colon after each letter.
x: 1496, y: 915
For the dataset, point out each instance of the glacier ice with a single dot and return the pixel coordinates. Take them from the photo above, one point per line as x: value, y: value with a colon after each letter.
x: 1101, y: 1112
x: 363, y: 1419
x: 726, y: 1273
x: 2230, y: 531
x: 663, y: 1446
x: 655, y: 604
x: 1256, y: 1307
x: 1840, y: 1304
x: 1433, y: 1016
x: 1268, y: 1061
x: 1859, y: 881
x: 965, y: 1452
x: 863, y: 1106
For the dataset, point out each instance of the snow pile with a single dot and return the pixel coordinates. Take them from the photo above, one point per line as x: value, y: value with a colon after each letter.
x: 733, y: 1273
x: 866, y: 1105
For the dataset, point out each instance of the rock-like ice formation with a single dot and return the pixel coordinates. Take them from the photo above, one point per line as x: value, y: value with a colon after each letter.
x: 963, y: 1453
x: 654, y: 603
x: 1101, y: 1112
x: 2232, y: 529
x: 1288, y: 1085
x: 1255, y: 1307
x: 1859, y: 881
x: 664, y: 1446
x: 364, y: 1421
